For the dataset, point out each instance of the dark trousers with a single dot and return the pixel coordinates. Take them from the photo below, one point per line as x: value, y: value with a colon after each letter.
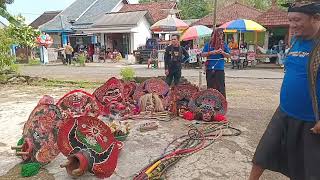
x: 288, y: 146
x: 216, y: 80
x: 173, y: 75
x: 68, y: 57
x: 234, y: 63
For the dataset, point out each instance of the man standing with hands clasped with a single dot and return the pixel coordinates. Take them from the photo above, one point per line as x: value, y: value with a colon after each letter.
x: 291, y: 143
x: 173, y: 57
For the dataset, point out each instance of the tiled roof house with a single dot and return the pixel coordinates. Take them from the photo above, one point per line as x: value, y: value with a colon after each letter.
x: 44, y: 18
x: 274, y: 17
x: 81, y: 14
x: 156, y: 9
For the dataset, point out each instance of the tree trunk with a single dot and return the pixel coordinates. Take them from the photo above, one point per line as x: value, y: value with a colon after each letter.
x: 32, y: 56
x: 27, y: 50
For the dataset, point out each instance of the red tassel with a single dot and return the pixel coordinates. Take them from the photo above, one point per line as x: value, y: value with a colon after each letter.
x: 220, y: 118
x: 188, y: 116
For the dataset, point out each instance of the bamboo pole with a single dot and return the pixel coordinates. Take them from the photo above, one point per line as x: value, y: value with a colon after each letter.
x: 213, y: 28
x: 255, y: 40
x: 22, y: 153
x: 214, y: 15
x: 16, y: 147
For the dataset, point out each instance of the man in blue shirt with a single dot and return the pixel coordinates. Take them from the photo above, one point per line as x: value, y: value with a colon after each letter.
x: 215, y: 61
x: 291, y: 143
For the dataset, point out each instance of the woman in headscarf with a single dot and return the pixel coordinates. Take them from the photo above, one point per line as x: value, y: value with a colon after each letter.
x: 216, y: 51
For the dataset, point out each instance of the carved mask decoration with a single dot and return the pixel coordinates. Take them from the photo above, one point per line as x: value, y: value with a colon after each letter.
x: 111, y: 91
x: 89, y: 145
x: 78, y: 103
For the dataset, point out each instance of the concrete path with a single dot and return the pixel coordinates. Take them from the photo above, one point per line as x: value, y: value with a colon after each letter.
x: 102, y: 71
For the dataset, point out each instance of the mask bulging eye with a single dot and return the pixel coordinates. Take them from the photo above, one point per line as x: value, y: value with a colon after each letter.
x: 116, y: 91
x: 36, y: 135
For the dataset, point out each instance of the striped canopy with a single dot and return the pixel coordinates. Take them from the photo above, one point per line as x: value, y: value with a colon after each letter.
x: 170, y: 23
x: 242, y: 25
x: 195, y: 32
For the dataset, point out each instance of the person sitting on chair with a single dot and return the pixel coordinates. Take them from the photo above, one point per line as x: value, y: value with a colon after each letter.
x: 102, y: 55
x: 153, y: 58
x: 116, y: 56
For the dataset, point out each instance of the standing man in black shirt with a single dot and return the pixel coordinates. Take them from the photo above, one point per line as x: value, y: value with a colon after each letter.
x: 174, y: 55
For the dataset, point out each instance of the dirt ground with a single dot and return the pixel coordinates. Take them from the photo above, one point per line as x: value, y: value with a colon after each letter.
x: 251, y: 103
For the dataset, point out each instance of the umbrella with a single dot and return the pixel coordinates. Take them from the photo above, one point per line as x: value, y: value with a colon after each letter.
x: 242, y: 25
x: 170, y: 23
x: 195, y: 32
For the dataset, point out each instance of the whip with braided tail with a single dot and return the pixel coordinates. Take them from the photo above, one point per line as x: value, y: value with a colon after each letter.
x: 198, y: 138
x: 313, y: 69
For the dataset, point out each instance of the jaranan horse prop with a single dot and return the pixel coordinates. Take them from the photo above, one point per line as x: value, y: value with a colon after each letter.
x: 40, y: 133
x: 89, y: 145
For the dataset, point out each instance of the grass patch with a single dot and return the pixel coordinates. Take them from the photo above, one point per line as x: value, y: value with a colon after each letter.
x: 34, y: 62
x: 75, y: 84
x: 3, y: 78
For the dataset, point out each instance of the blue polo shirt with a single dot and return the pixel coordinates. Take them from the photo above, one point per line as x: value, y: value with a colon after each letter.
x: 216, y: 61
x: 295, y: 98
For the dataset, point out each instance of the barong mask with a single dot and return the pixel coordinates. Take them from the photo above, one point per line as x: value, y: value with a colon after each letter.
x: 208, y: 103
x: 207, y: 112
x: 110, y: 92
x: 78, y: 103
x: 182, y: 94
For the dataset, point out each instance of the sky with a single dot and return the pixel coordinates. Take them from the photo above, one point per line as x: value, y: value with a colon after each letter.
x: 31, y: 9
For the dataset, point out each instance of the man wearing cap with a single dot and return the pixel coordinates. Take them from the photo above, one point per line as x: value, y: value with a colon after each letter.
x: 291, y: 143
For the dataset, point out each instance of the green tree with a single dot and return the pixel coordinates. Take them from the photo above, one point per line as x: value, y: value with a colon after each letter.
x: 194, y: 9
x: 3, y: 3
x: 265, y: 4
x: 23, y: 35
x: 4, y: 13
x: 190, y: 9
x: 6, y: 60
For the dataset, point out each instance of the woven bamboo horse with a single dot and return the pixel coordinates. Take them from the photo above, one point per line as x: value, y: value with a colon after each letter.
x: 40, y: 133
x: 89, y: 146
x: 207, y: 104
x: 78, y: 103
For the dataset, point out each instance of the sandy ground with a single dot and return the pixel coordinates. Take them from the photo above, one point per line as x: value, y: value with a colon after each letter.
x: 251, y: 102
